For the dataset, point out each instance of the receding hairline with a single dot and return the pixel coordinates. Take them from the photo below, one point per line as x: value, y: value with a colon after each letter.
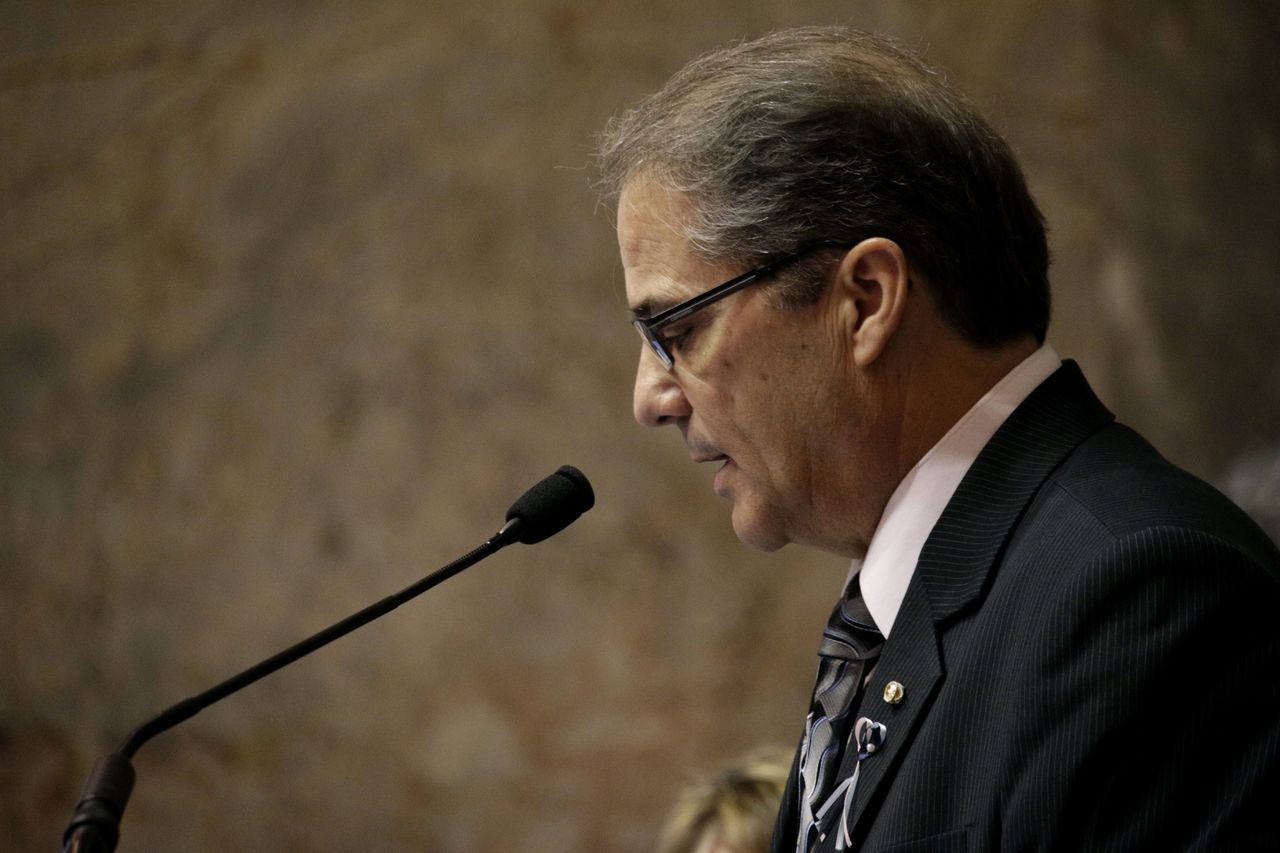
x: 893, y: 68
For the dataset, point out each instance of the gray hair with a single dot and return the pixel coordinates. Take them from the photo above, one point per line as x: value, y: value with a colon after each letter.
x: 832, y: 133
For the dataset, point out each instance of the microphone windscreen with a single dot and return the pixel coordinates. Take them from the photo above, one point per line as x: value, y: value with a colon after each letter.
x: 552, y: 504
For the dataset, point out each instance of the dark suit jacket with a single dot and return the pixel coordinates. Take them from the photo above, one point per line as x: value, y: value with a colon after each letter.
x: 1090, y: 657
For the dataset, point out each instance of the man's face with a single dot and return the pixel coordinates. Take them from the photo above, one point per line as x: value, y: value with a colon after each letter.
x: 753, y: 383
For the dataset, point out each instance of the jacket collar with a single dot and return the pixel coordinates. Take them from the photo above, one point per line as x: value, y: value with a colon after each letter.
x: 957, y: 559
x: 973, y: 529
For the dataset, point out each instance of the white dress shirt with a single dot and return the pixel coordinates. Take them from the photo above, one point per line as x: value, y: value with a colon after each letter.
x: 918, y: 502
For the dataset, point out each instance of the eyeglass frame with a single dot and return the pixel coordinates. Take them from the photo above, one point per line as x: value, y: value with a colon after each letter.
x: 648, y: 327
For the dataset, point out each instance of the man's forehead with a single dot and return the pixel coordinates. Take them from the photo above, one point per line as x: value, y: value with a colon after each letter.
x: 660, y: 266
x: 651, y: 218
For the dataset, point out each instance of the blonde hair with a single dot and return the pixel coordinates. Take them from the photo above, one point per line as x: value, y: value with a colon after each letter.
x: 737, y: 806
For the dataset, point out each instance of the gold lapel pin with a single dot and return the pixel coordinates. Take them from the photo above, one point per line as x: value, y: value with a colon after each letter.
x: 893, y: 692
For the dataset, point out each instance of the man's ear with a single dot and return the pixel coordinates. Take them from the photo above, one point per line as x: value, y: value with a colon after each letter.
x: 873, y: 279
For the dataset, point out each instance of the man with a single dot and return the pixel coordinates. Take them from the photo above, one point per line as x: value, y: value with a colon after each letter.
x: 1052, y: 639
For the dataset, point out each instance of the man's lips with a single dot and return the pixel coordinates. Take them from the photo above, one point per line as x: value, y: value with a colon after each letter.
x: 706, y: 454
x: 720, y: 484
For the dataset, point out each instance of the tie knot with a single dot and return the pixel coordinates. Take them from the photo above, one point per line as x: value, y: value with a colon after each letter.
x: 851, y: 633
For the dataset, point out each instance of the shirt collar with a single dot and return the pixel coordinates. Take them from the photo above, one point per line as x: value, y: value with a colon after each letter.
x: 918, y: 501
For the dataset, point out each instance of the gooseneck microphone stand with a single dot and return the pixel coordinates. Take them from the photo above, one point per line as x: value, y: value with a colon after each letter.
x: 543, y: 511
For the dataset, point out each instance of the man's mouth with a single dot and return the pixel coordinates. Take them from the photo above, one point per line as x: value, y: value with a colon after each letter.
x: 720, y: 485
x: 701, y: 453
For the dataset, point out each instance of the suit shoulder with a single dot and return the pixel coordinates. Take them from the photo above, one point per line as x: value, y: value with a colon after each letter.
x: 1131, y: 492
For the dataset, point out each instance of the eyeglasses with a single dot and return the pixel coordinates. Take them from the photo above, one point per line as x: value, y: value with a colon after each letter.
x: 650, y: 327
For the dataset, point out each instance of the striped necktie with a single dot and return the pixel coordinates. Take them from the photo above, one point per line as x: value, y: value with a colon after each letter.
x: 851, y: 643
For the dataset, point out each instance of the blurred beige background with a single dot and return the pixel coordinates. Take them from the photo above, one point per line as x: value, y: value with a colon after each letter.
x: 295, y: 298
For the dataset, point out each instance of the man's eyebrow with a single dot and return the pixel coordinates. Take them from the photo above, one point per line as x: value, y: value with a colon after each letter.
x: 651, y: 307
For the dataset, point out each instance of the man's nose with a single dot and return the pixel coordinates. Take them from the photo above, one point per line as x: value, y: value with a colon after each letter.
x: 658, y: 398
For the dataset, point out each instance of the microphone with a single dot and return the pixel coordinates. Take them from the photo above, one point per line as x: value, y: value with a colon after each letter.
x: 550, y: 506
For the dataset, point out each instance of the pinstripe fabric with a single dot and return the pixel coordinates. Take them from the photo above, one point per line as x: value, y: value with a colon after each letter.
x: 1089, y: 653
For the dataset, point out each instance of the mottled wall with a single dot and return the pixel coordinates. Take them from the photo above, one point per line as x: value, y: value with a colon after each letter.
x: 297, y: 297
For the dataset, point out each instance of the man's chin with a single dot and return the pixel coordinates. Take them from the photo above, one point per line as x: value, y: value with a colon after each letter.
x: 754, y: 530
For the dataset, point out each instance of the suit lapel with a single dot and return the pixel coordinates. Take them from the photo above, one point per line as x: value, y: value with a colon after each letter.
x: 956, y: 560
x: 998, y: 488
